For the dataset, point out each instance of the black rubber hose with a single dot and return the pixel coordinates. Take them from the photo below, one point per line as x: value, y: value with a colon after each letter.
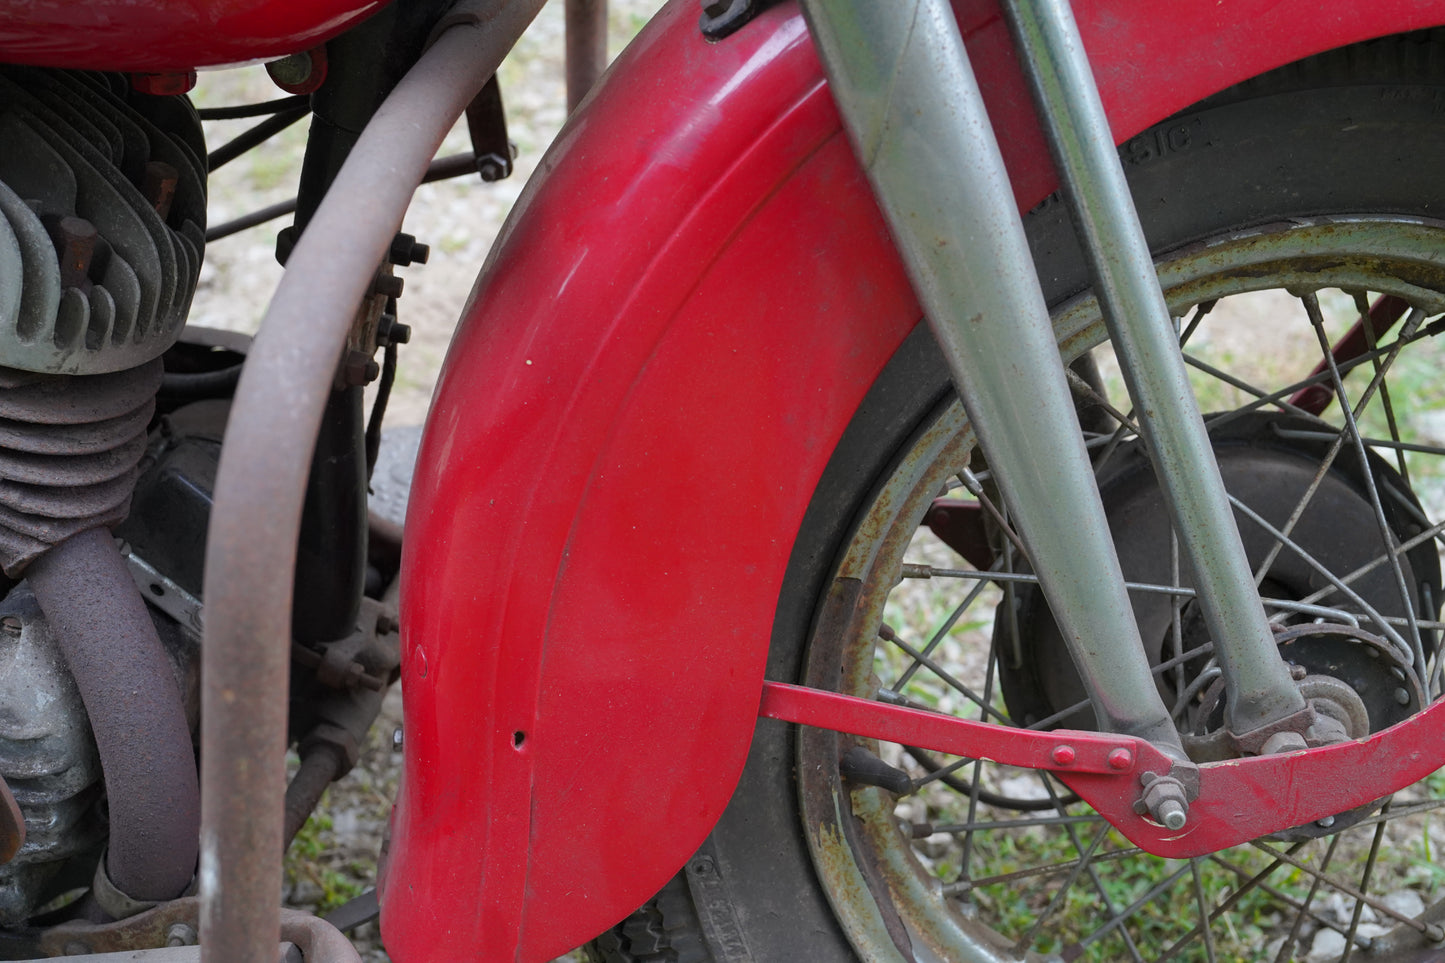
x: 193, y: 385
x: 135, y: 708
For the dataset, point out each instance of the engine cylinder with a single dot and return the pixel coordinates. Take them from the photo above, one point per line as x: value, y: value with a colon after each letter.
x: 102, y: 221
x: 69, y: 450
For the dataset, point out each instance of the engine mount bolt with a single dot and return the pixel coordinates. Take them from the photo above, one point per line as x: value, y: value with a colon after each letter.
x: 1063, y: 755
x: 357, y: 369
x: 1120, y: 759
x: 388, y: 285
x: 11, y: 626
x: 407, y: 250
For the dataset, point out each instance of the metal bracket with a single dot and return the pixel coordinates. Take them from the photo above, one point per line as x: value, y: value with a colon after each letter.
x: 1232, y: 802
x: 487, y: 126
x: 726, y: 17
x: 160, y: 591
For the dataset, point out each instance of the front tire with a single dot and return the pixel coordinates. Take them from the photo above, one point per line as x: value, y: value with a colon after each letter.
x: 805, y: 865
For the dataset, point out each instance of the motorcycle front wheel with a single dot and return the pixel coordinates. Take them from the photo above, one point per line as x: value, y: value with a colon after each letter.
x: 1299, y: 229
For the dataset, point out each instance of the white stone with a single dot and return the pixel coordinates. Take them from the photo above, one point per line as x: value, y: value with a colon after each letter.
x: 1327, y: 945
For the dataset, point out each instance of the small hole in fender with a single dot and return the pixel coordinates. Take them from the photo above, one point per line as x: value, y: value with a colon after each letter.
x: 518, y: 738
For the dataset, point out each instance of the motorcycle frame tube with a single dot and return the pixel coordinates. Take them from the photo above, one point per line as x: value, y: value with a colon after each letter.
x: 909, y: 101
x: 686, y: 307
x: 261, y: 481
x: 1260, y: 690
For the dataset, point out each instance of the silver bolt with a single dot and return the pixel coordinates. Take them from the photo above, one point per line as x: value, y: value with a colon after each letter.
x: 1172, y: 814
x: 396, y: 739
x: 1165, y: 800
x: 181, y: 934
x: 1402, y: 697
x: 1325, y: 823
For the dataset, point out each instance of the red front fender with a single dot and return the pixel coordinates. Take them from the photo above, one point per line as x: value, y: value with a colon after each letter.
x: 678, y: 322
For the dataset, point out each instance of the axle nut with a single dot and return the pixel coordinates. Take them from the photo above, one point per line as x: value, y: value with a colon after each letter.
x: 1166, y: 801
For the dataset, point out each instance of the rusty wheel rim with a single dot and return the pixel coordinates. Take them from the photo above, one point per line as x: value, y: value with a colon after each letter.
x: 890, y: 891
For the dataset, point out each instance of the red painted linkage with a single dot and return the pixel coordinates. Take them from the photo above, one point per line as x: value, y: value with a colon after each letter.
x: 1060, y: 750
x: 1239, y: 800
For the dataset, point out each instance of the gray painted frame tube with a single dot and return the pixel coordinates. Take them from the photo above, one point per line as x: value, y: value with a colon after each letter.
x: 1257, y: 681
x: 901, y: 78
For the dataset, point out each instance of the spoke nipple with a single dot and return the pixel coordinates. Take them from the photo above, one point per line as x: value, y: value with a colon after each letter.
x: 1063, y: 755
x: 1120, y: 759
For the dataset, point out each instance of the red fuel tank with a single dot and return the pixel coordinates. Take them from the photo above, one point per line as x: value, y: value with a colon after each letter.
x: 166, y: 35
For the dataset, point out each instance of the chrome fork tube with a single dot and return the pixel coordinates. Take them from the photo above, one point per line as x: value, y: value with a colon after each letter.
x: 1259, y: 687
x: 902, y: 82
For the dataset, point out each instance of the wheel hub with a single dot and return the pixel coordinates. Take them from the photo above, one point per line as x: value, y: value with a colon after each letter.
x: 1269, y: 462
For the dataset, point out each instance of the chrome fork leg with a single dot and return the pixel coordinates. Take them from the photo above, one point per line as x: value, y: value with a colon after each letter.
x: 1258, y: 683
x: 902, y: 81
x: 911, y: 106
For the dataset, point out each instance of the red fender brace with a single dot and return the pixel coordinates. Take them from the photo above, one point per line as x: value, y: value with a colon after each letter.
x: 679, y: 320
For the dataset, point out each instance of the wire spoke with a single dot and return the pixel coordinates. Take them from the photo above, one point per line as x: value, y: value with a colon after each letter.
x: 978, y: 764
x: 946, y: 633
x: 1379, y: 906
x: 1118, y: 918
x: 1093, y: 872
x: 1293, y: 902
x: 1259, y: 394
x: 962, y: 887
x: 1201, y: 311
x: 1286, y: 949
x: 1312, y: 308
x: 1203, y: 905
x: 1313, y: 563
x: 1213, y: 422
x: 887, y: 633
x: 1227, y: 905
x: 1337, y: 440
x: 976, y: 489
x: 993, y: 825
x: 1434, y: 531
x: 1367, y: 327
x: 1082, y: 863
x: 942, y: 772
x: 939, y: 635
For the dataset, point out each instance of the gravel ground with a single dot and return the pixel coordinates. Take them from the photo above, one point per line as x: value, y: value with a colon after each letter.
x: 335, y: 856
